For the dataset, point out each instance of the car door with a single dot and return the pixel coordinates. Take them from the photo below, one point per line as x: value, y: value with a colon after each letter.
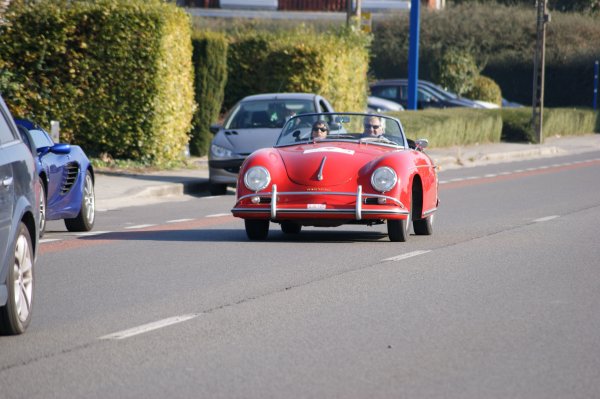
x: 7, y: 183
x: 53, y: 164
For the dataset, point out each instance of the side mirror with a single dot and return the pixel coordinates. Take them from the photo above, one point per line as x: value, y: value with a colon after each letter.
x: 60, y: 149
x: 214, y: 128
x: 421, y: 144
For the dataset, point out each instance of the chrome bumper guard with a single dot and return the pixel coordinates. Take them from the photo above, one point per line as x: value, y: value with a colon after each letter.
x: 357, y: 211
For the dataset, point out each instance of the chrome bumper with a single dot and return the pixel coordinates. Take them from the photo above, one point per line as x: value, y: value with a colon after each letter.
x: 357, y: 211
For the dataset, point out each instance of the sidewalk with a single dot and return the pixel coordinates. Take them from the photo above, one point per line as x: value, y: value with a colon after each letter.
x: 118, y: 190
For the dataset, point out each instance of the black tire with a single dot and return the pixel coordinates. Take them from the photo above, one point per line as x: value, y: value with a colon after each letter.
x: 15, y: 316
x: 217, y: 189
x: 84, y: 221
x: 43, y: 204
x: 398, y: 229
x: 290, y: 228
x: 256, y: 229
x: 424, y: 227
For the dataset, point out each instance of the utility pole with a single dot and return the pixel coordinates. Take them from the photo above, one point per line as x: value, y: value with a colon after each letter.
x: 539, y: 66
x: 351, y: 12
x: 413, y: 54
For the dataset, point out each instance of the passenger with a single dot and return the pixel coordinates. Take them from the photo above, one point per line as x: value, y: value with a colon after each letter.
x: 374, y: 126
x: 320, y: 130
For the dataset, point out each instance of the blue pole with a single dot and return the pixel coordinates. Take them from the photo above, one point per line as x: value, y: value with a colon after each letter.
x: 596, y: 85
x: 413, y: 54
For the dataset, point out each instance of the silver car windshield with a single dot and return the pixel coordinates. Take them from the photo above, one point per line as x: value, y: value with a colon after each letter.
x: 266, y: 113
x: 353, y: 127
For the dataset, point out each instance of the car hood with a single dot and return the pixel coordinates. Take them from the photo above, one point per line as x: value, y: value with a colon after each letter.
x: 246, y: 141
x: 342, y: 162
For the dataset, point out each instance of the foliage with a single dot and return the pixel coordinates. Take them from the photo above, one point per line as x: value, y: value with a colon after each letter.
x: 457, y: 71
x: 485, y: 89
x: 210, y: 65
x: 117, y: 74
x: 502, y: 41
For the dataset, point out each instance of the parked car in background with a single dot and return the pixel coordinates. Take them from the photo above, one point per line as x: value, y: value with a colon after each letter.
x: 378, y: 105
x: 66, y: 177
x: 18, y: 227
x: 363, y: 170
x: 429, y: 95
x: 254, y: 122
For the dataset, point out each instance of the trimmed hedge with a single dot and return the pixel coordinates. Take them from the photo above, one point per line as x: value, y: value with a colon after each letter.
x: 117, y: 74
x: 210, y: 65
x: 467, y: 126
x: 332, y: 64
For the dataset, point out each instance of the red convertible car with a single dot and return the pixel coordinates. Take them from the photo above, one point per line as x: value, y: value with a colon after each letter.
x: 330, y: 169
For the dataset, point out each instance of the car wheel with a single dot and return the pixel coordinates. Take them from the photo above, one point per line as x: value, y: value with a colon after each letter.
x: 218, y: 189
x: 398, y: 229
x: 42, y: 208
x: 84, y: 221
x: 424, y: 227
x: 16, y: 314
x: 290, y: 227
x: 256, y: 229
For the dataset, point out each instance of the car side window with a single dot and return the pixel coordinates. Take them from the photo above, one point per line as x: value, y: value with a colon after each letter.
x: 6, y: 133
x: 389, y: 92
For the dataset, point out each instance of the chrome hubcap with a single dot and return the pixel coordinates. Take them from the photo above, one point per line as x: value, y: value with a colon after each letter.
x: 23, y: 272
x: 88, y: 199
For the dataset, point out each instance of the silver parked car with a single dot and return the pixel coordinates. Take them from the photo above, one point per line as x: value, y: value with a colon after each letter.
x: 253, y: 123
x: 19, y: 199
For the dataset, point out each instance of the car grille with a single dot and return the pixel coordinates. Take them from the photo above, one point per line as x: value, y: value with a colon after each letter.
x: 69, y: 177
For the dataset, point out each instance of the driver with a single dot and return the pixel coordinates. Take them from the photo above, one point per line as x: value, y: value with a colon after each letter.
x: 374, y: 126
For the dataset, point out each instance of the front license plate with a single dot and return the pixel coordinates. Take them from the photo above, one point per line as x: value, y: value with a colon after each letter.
x: 316, y: 206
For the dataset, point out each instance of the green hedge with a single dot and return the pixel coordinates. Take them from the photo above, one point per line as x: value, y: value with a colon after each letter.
x: 332, y: 64
x: 117, y: 74
x: 465, y: 126
x: 502, y: 40
x: 210, y: 65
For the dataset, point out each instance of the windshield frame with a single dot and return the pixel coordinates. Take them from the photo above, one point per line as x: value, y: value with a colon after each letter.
x: 403, y: 141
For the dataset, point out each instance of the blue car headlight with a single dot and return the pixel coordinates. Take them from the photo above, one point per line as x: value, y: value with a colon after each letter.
x: 220, y: 152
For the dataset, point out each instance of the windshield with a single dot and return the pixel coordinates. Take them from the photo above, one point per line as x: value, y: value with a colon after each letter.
x: 351, y: 127
x: 266, y: 113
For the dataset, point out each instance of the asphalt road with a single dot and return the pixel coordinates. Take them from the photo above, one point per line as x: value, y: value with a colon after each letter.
x: 172, y: 300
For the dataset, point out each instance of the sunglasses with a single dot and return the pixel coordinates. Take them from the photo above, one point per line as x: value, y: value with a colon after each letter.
x: 375, y: 127
x: 322, y: 129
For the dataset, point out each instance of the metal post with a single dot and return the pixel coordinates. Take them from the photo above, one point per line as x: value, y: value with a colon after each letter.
x: 413, y: 54
x: 596, y: 71
x: 539, y: 66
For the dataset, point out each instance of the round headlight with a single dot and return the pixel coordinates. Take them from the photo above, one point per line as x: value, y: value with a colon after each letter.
x: 384, y: 179
x: 257, y: 178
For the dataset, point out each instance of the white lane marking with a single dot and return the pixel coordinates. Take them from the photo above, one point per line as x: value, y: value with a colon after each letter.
x: 545, y: 219
x: 405, y: 256
x: 44, y: 240
x: 179, y: 220
x: 212, y: 196
x: 216, y: 215
x: 139, y: 226
x: 149, y: 327
x: 91, y: 233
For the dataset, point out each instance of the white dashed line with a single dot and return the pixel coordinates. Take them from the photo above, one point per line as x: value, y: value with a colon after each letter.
x: 405, y: 256
x: 91, y: 233
x: 139, y: 226
x: 179, y: 220
x: 216, y: 215
x: 149, y: 327
x: 45, y: 240
x: 545, y: 219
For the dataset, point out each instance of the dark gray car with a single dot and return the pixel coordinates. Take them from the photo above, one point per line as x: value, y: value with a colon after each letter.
x: 253, y: 123
x: 18, y: 227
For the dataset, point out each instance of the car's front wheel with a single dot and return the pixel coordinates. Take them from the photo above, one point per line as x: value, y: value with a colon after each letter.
x: 84, y: 221
x: 16, y: 314
x: 256, y: 229
x: 424, y: 227
x: 42, y: 208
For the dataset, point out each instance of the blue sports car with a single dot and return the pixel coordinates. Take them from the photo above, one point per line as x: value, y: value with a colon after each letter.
x: 66, y: 177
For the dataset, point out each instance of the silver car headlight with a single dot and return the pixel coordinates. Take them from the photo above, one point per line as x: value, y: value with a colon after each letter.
x: 384, y: 179
x: 220, y: 152
x: 257, y: 178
